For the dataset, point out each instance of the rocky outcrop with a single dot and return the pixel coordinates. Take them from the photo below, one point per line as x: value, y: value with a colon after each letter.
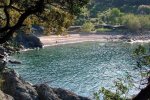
x: 47, y: 93
x: 28, y: 40
x: 15, y: 86
x: 4, y: 96
x: 19, y: 89
x: 14, y: 62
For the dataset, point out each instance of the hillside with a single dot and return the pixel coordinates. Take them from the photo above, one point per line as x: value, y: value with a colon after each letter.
x: 126, y: 13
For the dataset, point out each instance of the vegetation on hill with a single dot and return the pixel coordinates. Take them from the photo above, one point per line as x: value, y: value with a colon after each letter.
x: 117, y: 12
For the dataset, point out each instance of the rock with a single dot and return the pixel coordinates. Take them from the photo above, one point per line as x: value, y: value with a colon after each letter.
x: 2, y: 50
x: 2, y: 65
x: 68, y: 95
x: 37, y: 30
x: 17, y: 87
x: 48, y: 93
x: 2, y: 57
x: 28, y: 40
x: 14, y: 62
x: 4, y: 96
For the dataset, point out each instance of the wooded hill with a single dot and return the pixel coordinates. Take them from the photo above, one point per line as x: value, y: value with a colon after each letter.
x: 128, y: 13
x: 127, y: 6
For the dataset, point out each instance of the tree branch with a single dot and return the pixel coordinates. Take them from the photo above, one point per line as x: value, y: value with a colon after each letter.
x: 38, y: 8
x: 7, y: 16
x: 17, y: 9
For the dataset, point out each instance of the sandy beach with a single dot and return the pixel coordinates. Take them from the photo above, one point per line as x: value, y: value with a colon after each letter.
x: 74, y: 38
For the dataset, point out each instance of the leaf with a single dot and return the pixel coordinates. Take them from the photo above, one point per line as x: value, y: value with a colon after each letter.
x: 7, y: 2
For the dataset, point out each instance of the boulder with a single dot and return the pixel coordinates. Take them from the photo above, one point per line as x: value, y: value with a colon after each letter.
x: 28, y: 40
x: 4, y: 96
x: 68, y: 95
x: 2, y: 50
x: 15, y: 86
x: 2, y: 65
x: 47, y: 93
x: 14, y: 62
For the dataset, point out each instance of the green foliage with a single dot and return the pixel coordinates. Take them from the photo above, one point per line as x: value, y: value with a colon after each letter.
x: 103, y: 30
x: 145, y: 22
x: 110, y: 16
x: 132, y: 22
x: 87, y: 27
x: 55, y: 15
x: 117, y: 12
x: 85, y: 12
x: 142, y: 57
x: 6, y: 2
x: 139, y: 51
x: 122, y: 87
x: 108, y: 95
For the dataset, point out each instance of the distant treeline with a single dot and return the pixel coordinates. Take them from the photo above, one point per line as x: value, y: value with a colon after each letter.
x: 133, y: 14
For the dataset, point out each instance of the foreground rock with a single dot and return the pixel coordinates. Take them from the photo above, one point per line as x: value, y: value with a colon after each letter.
x: 16, y: 87
x: 4, y: 96
x: 48, y: 93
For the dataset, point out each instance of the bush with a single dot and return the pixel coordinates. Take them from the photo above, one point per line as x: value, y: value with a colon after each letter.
x: 145, y: 22
x: 110, y: 16
x: 87, y: 27
x: 132, y: 22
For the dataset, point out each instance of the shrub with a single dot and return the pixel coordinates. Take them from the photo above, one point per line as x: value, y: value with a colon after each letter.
x: 145, y: 22
x: 87, y: 27
x: 110, y: 16
x: 132, y: 22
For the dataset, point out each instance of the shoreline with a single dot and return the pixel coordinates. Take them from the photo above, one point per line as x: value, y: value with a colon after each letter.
x: 54, y: 40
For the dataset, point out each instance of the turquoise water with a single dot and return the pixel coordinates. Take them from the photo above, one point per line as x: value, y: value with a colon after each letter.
x: 82, y: 67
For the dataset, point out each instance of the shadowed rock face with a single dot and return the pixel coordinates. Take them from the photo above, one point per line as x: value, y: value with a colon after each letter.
x: 29, y: 40
x: 16, y: 87
x: 4, y: 96
x: 47, y: 93
x: 67, y: 95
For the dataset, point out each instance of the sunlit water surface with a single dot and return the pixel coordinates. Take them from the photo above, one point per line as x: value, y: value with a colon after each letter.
x: 82, y: 67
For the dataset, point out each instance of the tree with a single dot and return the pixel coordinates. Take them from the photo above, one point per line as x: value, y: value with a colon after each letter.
x: 87, y: 26
x: 132, y: 22
x: 24, y: 9
x: 110, y: 16
x: 145, y: 22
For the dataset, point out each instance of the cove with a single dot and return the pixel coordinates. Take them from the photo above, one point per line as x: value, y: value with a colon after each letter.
x: 81, y: 67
